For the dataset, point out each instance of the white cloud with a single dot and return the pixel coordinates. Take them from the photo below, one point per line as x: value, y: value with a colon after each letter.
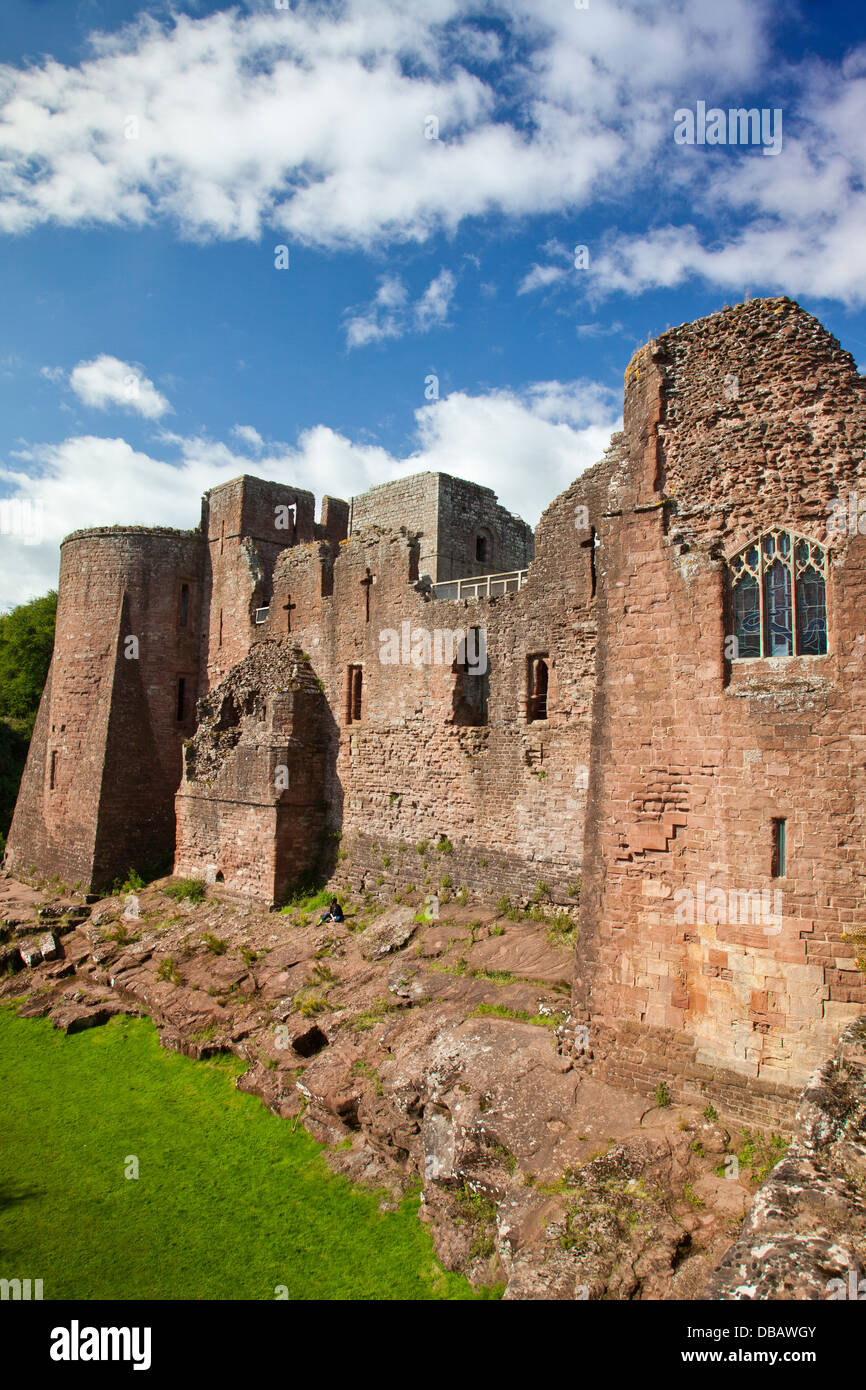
x: 107, y: 382
x: 312, y: 119
x: 541, y: 277
x: 432, y: 308
x: 391, y: 314
x: 381, y: 319
x: 526, y: 445
x: 250, y: 436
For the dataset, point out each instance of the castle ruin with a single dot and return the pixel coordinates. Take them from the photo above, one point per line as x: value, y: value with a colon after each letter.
x: 671, y: 706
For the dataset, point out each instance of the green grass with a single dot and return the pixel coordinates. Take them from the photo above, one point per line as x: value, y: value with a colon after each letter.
x: 229, y: 1203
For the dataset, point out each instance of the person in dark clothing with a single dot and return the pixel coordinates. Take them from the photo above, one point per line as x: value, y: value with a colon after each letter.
x: 333, y: 914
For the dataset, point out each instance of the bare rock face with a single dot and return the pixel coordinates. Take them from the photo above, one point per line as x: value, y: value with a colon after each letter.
x: 805, y: 1233
x: 394, y: 929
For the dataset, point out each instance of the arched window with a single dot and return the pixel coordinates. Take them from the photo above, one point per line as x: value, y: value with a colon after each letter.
x: 779, y: 597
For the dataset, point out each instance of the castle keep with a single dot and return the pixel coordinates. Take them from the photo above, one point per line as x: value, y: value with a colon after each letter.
x: 672, y: 705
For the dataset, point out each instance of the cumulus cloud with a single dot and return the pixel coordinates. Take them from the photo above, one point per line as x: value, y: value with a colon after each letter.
x: 106, y: 382
x: 527, y: 445
x: 314, y: 119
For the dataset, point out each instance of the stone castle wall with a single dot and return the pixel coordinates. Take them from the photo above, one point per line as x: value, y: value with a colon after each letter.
x: 694, y: 756
x: 105, y: 759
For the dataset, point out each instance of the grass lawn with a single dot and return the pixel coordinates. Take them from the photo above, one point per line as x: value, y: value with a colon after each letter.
x: 228, y: 1204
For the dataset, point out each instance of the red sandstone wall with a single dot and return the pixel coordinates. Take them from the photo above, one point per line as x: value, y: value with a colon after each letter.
x: 509, y: 796
x: 692, y: 758
x: 251, y: 807
x: 108, y: 721
x: 245, y: 534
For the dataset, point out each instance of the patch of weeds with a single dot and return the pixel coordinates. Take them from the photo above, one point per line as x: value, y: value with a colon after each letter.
x: 131, y: 884
x: 168, y: 971
x: 323, y: 975
x: 662, y: 1095
x: 541, y: 891
x: 691, y: 1197
x: 444, y: 845
x: 497, y: 930
x: 551, y: 1020
x: 422, y: 847
x: 190, y: 889
x: 362, y: 1068
x: 760, y: 1153
x: 476, y: 1209
x: 368, y: 1018
x: 507, y: 1157
x: 248, y: 955
x: 562, y: 930
x: 710, y: 1113
x: 215, y: 944
x: 307, y: 900
x: 308, y: 1007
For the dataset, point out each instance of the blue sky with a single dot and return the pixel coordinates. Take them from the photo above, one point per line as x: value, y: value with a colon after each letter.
x: 152, y: 158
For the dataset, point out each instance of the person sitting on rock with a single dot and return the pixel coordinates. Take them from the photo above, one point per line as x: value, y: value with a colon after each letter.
x: 333, y: 914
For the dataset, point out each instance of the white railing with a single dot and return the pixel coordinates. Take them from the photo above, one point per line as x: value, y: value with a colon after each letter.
x: 481, y: 586
x: 262, y: 615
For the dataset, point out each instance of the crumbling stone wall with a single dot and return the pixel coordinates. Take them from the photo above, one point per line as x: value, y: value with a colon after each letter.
x: 693, y: 756
x: 251, y: 807
x: 507, y: 795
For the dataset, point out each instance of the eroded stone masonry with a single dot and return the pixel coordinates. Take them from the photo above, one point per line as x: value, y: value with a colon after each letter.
x: 663, y: 691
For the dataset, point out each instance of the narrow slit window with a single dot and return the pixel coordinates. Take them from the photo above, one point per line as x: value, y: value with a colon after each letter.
x: 52, y: 770
x: 537, y: 685
x: 780, y: 848
x: 183, y: 617
x: 181, y: 698
x: 354, y: 688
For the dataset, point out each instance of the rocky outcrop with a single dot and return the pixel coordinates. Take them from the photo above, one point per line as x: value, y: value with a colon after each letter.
x: 432, y: 1047
x: 805, y: 1233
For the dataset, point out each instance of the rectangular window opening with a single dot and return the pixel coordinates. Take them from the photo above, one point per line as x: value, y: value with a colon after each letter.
x: 780, y: 849
x: 471, y: 697
x: 52, y: 770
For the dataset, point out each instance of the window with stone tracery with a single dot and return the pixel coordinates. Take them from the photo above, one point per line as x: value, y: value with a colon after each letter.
x: 779, y: 597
